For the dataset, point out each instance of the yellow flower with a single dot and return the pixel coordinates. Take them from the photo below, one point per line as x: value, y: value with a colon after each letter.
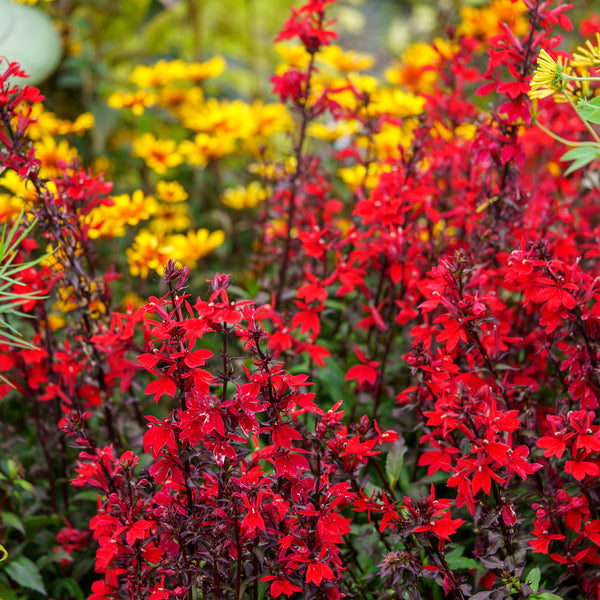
x: 198, y: 72
x: 394, y: 102
x: 161, y: 73
x: 357, y: 176
x: 148, y: 253
x: 170, y: 217
x: 588, y: 56
x: 274, y: 171
x: 412, y: 71
x: 332, y: 131
x: 45, y: 123
x: 293, y: 56
x: 133, y: 301
x: 54, y: 157
x: 390, y: 140
x: 222, y: 117
x: 345, y: 61
x: 171, y: 192
x: 205, y: 147
x: 159, y: 154
x: 190, y: 248
x: 137, y: 102
x: 110, y: 221
x: 241, y: 197
x: 268, y: 119
x: 10, y: 207
x: 548, y: 77
x: 485, y: 22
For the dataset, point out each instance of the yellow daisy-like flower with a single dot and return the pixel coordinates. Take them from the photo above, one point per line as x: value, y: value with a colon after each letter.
x: 588, y: 56
x: 206, y: 147
x: 110, y: 221
x: 548, y: 77
x: 198, y: 72
x: 345, y: 61
x: 171, y: 192
x: 159, y: 154
x: 415, y: 71
x: 334, y: 130
x: 136, y: 102
x: 241, y: 197
x: 170, y: 217
x: 55, y: 157
x: 293, y: 56
x: 189, y: 249
x: 148, y: 253
x: 161, y: 73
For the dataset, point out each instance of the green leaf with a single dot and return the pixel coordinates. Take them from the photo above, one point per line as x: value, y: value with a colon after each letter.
x: 590, y: 110
x: 25, y: 573
x: 533, y: 579
x: 7, y: 594
x: 33, y: 524
x: 548, y: 596
x: 395, y: 462
x: 3, y: 552
x: 456, y: 560
x: 13, y: 521
x: 581, y: 156
x: 68, y: 588
x: 24, y: 484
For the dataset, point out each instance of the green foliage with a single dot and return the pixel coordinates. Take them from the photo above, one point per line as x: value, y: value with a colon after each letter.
x: 11, y: 300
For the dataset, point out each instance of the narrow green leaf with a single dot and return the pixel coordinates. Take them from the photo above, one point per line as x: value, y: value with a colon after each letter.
x: 3, y: 552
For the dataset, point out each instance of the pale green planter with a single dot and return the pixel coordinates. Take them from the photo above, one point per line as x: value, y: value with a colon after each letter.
x: 28, y: 37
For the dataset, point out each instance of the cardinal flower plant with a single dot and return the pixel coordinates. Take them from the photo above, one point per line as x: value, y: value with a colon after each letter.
x: 397, y: 395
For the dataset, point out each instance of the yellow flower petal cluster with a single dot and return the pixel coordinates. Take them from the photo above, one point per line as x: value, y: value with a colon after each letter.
x: 220, y: 117
x: 137, y: 101
x: 485, y: 22
x: 46, y: 123
x: 150, y: 251
x: 548, y: 77
x: 170, y: 217
x: 357, y: 176
x: 588, y: 55
x: 274, y: 171
x: 22, y: 190
x: 388, y: 142
x: 241, y: 198
x: 334, y: 130
x: 171, y: 192
x: 166, y: 72
x: 394, y: 102
x: 191, y: 247
x: 110, y: 221
x: 295, y: 56
x: 345, y: 61
x: 159, y: 154
x: 412, y: 71
x: 205, y: 148
x: 54, y: 157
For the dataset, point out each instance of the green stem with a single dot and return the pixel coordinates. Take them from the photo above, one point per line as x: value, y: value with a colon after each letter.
x: 563, y: 140
x: 589, y: 127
